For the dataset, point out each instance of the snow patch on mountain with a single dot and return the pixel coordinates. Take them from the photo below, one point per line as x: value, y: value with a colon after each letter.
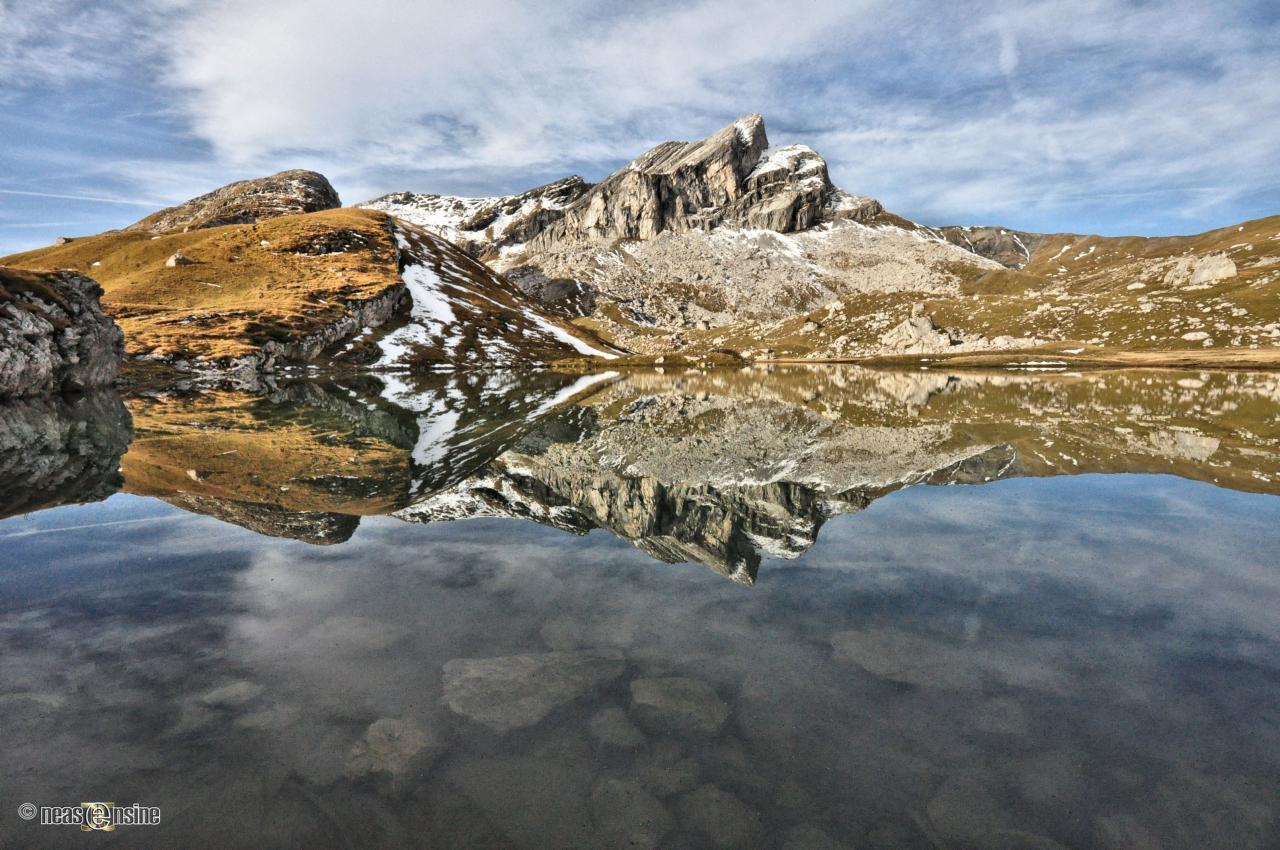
x: 463, y: 314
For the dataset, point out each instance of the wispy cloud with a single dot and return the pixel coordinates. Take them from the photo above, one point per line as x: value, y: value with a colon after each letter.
x: 85, y: 198
x: 1070, y: 115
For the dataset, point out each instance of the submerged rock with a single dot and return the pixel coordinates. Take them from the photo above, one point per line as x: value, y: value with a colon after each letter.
x: 611, y: 727
x: 510, y: 691
x: 536, y: 802
x: 389, y: 745
x: 724, y: 819
x: 627, y: 815
x: 53, y: 334
x: 810, y: 837
x: 678, y: 703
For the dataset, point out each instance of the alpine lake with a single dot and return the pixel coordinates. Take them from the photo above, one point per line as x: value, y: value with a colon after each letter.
x: 796, y: 607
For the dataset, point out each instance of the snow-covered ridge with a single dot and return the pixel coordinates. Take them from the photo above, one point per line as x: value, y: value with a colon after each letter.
x: 464, y: 314
x: 481, y: 225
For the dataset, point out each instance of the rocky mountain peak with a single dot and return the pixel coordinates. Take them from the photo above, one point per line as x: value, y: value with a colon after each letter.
x: 246, y: 202
x: 732, y: 177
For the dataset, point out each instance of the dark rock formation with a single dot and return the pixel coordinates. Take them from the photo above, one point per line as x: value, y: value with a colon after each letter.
x: 57, y: 451
x: 246, y: 202
x: 1010, y: 248
x: 53, y: 334
x: 318, y: 528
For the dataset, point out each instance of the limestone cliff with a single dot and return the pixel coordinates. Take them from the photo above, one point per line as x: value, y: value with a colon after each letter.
x: 53, y: 334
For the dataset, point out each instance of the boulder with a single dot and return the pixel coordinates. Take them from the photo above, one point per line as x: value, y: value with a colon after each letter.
x: 1200, y: 271
x: 53, y: 334
x: 1213, y: 268
x: 510, y: 691
x: 917, y: 334
x: 677, y: 703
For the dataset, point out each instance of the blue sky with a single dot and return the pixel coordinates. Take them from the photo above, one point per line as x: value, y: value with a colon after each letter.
x: 1098, y: 116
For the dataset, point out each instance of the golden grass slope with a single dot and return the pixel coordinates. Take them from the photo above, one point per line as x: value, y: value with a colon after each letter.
x: 247, y: 283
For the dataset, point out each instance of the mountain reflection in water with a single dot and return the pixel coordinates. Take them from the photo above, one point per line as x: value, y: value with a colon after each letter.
x: 717, y: 468
x: 1050, y: 660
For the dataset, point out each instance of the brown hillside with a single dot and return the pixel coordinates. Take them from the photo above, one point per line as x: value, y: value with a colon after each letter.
x: 247, y: 283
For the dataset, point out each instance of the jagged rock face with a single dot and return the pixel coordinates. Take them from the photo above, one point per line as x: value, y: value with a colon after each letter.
x: 246, y: 202
x: 485, y: 225
x: 53, y: 334
x: 57, y: 451
x: 1009, y: 248
x: 731, y: 177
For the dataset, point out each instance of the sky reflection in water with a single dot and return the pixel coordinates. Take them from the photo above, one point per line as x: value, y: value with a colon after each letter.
x: 1075, y: 661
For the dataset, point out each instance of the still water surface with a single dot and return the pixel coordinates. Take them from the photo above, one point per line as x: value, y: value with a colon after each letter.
x: 798, y: 608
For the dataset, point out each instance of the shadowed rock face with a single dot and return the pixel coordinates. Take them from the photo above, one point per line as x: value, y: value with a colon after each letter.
x: 247, y: 201
x: 53, y: 334
x: 1010, y: 248
x: 317, y: 528
x: 57, y: 451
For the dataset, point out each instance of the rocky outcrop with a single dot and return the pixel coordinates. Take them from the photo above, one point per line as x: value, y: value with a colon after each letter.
x: 319, y: 528
x: 918, y: 334
x: 53, y: 334
x: 731, y: 177
x: 246, y: 202
x: 1201, y: 271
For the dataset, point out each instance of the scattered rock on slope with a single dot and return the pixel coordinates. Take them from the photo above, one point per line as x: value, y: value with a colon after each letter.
x: 246, y: 202
x: 53, y: 334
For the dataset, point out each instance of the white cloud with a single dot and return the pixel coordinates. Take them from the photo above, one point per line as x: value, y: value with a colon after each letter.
x: 960, y: 112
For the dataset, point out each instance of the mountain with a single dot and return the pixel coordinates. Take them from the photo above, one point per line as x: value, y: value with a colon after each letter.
x: 343, y: 287
x: 722, y: 468
x: 733, y: 243
x: 724, y: 249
